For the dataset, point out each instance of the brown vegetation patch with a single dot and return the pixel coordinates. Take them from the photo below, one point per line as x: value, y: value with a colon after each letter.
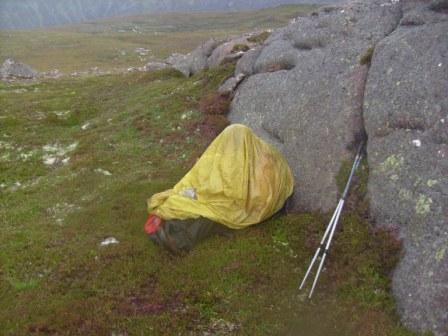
x: 389, y: 246
x: 211, y: 126
x: 143, y: 125
x: 41, y: 328
x: 149, y: 301
x: 215, y: 103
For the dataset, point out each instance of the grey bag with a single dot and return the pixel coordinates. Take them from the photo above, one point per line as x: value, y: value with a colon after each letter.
x: 182, y: 235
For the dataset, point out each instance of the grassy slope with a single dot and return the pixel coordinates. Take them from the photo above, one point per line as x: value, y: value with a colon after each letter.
x: 146, y: 130
x: 111, y: 43
x: 56, y: 279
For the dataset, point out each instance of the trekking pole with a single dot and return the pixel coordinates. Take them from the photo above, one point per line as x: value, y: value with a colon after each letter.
x: 321, y: 246
x: 331, y: 228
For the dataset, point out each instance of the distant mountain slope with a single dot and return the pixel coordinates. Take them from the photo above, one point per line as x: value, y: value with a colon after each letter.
x: 22, y: 14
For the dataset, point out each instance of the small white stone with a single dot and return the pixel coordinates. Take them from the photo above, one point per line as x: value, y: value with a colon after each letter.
x: 104, y: 172
x: 109, y: 241
x: 72, y: 146
x: 85, y: 126
x: 49, y: 160
x: 440, y: 65
x: 417, y: 143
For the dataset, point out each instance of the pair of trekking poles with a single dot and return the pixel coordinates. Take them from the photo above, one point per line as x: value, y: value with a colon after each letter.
x: 322, y: 250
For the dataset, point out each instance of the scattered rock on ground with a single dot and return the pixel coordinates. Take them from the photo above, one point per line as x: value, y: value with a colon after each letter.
x: 12, y: 69
x: 109, y: 241
x: 103, y: 172
x: 54, y: 74
x: 56, y: 153
x: 154, y: 66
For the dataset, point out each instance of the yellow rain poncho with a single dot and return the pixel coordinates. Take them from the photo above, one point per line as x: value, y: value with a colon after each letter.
x: 240, y: 180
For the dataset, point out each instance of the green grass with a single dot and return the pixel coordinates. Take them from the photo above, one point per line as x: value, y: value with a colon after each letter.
x: 259, y: 38
x: 143, y: 129
x: 366, y: 58
x: 112, y: 43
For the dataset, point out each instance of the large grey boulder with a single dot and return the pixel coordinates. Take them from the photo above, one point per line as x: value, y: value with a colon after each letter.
x: 280, y: 55
x: 180, y: 62
x: 195, y: 61
x: 226, y: 50
x: 306, y: 93
x: 406, y: 118
x: 12, y: 69
x: 245, y: 64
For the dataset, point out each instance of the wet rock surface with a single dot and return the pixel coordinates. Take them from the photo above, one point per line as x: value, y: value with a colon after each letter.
x: 307, y: 91
x: 406, y: 118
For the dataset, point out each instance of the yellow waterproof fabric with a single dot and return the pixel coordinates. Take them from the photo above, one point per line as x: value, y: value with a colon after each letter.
x: 240, y: 180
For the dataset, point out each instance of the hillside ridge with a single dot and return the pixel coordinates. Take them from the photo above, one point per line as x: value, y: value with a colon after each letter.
x: 28, y: 14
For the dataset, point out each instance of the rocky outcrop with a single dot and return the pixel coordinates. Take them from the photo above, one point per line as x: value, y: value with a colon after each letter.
x: 195, y: 61
x: 306, y: 92
x: 376, y: 70
x: 406, y: 118
x: 213, y: 53
x: 232, y: 49
x: 12, y: 70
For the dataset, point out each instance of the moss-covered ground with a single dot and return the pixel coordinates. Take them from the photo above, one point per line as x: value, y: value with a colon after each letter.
x: 79, y: 158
